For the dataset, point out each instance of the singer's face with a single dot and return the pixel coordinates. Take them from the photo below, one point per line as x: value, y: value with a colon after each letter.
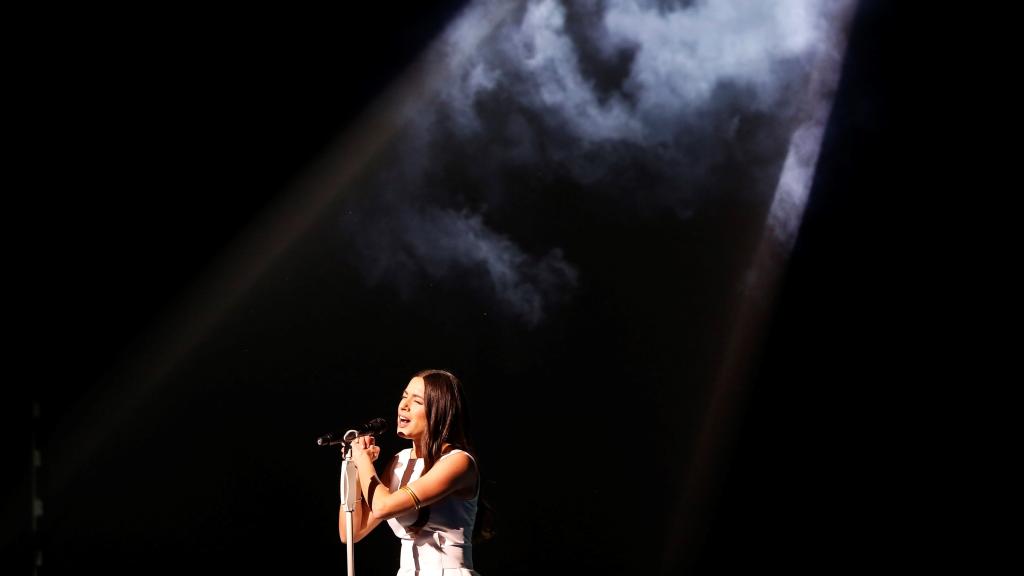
x: 412, y: 414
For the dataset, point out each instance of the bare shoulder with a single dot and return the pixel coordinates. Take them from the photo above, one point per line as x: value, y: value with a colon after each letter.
x: 460, y: 455
x: 461, y: 465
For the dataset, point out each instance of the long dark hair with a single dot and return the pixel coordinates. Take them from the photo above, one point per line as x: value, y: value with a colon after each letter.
x: 446, y: 414
x: 448, y: 422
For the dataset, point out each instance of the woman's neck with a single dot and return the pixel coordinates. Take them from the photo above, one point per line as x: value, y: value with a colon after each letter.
x: 419, y: 450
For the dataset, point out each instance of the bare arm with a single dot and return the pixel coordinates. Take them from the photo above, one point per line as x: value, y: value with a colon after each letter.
x: 363, y: 519
x: 455, y: 473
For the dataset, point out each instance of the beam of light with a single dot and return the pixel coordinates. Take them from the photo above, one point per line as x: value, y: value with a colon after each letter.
x: 146, y: 367
x: 716, y: 434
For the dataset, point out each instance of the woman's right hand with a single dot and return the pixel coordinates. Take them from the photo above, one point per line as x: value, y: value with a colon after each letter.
x: 364, y: 446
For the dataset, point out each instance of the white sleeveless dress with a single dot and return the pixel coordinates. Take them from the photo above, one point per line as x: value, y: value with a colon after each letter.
x: 444, y: 545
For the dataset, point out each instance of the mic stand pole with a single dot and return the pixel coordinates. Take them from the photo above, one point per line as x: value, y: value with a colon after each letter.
x: 349, y: 494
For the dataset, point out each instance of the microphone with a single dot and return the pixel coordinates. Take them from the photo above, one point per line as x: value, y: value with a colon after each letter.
x: 374, y: 427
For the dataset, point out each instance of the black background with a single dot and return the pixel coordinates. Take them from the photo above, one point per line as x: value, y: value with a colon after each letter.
x: 154, y: 143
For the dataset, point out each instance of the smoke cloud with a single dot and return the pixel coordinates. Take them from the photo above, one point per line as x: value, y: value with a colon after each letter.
x: 662, y: 104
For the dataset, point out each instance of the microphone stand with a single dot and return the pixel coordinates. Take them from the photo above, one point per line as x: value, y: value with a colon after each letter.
x: 349, y: 496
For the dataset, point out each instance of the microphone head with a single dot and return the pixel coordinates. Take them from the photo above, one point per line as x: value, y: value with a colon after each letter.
x: 375, y: 427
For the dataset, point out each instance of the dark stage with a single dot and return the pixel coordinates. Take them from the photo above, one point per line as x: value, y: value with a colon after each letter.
x: 248, y: 229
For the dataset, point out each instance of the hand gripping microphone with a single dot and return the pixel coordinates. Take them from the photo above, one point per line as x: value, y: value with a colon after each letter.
x: 374, y: 427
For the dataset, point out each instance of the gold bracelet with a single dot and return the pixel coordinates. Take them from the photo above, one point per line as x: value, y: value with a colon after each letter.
x: 415, y: 499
